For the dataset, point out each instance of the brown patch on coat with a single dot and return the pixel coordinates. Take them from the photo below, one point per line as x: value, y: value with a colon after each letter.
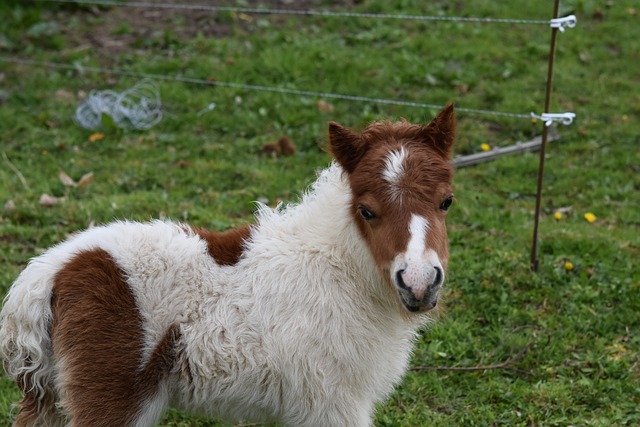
x: 97, y: 338
x: 225, y: 247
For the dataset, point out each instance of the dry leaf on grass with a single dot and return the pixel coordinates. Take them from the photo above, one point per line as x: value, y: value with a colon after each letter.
x: 47, y: 200
x: 324, y: 106
x: 96, y: 137
x: 85, y: 180
x: 284, y: 147
x: 66, y: 180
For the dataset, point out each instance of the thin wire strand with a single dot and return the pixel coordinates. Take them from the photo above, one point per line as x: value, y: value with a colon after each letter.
x: 245, y: 86
x: 308, y: 12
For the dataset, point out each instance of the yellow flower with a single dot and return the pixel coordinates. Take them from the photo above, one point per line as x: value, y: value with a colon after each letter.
x: 485, y: 147
x: 557, y: 216
x: 625, y: 117
x: 590, y: 217
x: 568, y: 266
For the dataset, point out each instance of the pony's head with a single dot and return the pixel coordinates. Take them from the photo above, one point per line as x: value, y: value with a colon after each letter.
x: 400, y: 179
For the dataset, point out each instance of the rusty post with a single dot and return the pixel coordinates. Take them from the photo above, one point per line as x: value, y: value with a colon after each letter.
x: 547, y: 102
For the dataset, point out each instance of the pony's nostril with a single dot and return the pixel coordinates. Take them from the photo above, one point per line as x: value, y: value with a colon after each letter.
x: 439, y: 277
x: 400, y: 280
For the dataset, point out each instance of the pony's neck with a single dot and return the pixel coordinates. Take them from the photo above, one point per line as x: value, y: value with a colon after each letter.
x: 323, y: 223
x: 322, y: 217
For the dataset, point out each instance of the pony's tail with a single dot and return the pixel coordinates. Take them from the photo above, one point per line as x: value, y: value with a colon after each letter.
x: 25, y: 343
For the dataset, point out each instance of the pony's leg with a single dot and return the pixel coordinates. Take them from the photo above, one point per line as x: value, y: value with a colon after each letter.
x: 97, y: 336
x: 343, y: 411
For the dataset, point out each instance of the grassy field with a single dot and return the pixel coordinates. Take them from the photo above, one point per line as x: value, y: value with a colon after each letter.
x: 573, y: 329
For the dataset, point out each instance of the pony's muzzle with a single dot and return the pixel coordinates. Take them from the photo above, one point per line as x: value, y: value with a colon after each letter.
x: 419, y: 287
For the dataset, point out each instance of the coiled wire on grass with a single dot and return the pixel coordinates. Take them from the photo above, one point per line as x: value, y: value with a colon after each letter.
x: 138, y: 107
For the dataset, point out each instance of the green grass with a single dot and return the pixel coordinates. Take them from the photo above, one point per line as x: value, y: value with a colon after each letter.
x: 583, y: 365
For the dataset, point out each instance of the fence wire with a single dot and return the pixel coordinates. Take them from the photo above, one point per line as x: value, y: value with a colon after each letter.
x: 307, y: 12
x: 244, y: 86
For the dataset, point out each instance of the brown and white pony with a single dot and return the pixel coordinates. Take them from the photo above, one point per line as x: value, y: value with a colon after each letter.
x: 306, y: 317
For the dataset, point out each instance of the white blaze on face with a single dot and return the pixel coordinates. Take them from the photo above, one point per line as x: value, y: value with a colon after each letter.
x: 418, y: 227
x: 418, y: 265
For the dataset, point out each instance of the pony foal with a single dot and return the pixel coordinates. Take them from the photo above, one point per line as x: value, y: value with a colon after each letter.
x: 306, y: 318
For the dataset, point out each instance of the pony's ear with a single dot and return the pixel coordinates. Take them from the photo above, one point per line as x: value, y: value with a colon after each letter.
x: 347, y: 147
x: 440, y: 133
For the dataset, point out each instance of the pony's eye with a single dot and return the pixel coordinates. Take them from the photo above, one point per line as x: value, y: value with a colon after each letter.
x: 366, y: 213
x: 446, y: 203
